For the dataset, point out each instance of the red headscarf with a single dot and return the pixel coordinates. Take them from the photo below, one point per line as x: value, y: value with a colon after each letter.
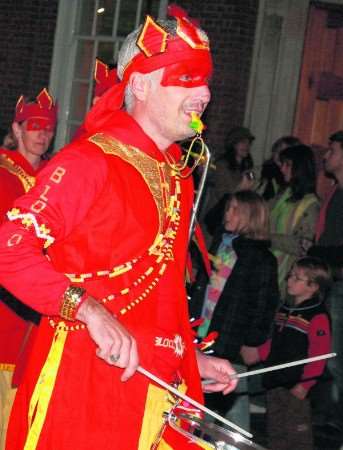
x: 158, y: 48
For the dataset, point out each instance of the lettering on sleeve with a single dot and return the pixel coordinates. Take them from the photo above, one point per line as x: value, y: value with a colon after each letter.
x: 55, y: 178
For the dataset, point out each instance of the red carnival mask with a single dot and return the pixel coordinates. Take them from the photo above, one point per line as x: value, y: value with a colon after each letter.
x: 187, y: 74
x: 39, y: 123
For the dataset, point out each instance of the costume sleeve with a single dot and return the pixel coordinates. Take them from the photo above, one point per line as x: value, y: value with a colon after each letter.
x: 63, y: 194
x: 319, y: 344
x: 305, y: 229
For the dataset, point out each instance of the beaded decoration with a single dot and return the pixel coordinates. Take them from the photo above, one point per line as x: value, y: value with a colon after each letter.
x: 30, y: 220
x: 160, y: 252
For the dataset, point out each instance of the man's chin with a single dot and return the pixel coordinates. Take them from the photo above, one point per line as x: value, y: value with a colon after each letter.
x: 188, y: 134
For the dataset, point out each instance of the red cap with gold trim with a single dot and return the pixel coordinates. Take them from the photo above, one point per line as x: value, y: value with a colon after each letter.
x: 44, y: 107
x: 159, y: 48
x: 104, y: 77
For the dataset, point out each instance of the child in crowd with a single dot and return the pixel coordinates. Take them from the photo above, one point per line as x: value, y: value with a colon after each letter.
x: 301, y: 330
x: 241, y: 296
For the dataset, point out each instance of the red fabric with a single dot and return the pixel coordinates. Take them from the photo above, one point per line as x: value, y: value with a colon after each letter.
x: 104, y: 77
x: 187, y: 74
x: 319, y: 338
x: 13, y: 329
x: 264, y: 350
x: 10, y: 185
x: 39, y: 123
x: 200, y: 239
x: 101, y: 214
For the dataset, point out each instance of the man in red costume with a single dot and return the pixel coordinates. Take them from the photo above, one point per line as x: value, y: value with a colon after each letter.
x: 112, y: 211
x: 32, y: 129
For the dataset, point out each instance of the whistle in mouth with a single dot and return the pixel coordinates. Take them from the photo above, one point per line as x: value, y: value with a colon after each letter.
x: 196, y: 124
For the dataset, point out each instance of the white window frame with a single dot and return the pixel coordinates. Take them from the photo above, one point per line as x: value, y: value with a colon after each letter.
x: 64, y: 58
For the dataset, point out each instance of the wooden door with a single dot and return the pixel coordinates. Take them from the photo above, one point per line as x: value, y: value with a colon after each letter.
x: 319, y: 110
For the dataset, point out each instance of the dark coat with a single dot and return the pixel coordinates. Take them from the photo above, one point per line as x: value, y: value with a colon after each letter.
x: 245, y: 310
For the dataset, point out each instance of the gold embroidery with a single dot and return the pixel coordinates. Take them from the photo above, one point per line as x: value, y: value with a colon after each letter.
x: 151, y: 170
x: 166, y: 190
x: 8, y: 164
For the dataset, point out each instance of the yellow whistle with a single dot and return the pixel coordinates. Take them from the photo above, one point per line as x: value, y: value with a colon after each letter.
x: 196, y: 124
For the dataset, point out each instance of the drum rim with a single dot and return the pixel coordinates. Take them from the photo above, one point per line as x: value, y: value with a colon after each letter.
x: 172, y: 418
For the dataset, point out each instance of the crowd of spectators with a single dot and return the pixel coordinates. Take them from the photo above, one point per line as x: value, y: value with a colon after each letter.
x: 278, y: 298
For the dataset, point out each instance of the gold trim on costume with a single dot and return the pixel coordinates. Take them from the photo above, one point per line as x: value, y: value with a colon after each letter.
x: 71, y: 300
x: 8, y: 164
x: 148, y: 167
x: 165, y: 188
x: 7, y: 367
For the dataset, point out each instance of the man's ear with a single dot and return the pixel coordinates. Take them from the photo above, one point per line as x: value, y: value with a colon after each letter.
x: 139, y: 85
x: 17, y: 130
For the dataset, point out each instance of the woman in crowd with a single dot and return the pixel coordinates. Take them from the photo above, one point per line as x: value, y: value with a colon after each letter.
x: 294, y: 211
x: 272, y: 180
x: 33, y: 128
x: 234, y: 172
x: 241, y: 296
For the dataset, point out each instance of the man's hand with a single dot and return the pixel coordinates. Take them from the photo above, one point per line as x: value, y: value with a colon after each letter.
x: 115, y: 345
x: 298, y: 391
x: 218, y: 370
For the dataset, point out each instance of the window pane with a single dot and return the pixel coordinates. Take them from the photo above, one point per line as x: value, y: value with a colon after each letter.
x: 127, y: 17
x: 105, y: 16
x: 86, y: 16
x: 106, y: 52
x: 84, y: 59
x: 150, y: 7
x: 78, y: 106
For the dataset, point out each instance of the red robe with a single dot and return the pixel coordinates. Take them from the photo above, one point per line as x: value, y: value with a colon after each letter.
x: 17, y: 176
x: 100, y: 204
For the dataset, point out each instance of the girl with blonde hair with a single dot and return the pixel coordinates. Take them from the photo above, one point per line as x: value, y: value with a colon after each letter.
x: 241, y: 296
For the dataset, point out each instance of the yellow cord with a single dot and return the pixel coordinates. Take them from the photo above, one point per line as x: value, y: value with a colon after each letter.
x: 180, y: 167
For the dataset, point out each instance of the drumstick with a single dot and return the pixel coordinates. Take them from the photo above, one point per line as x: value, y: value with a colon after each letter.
x: 277, y: 367
x: 192, y: 402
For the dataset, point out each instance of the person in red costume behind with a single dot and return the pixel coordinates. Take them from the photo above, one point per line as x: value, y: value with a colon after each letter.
x: 104, y: 78
x: 33, y: 129
x: 112, y: 211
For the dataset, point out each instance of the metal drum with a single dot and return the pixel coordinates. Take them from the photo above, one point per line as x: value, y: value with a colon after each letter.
x: 213, y: 436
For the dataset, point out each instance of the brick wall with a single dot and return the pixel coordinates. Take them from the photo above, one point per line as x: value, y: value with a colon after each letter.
x: 230, y: 25
x: 27, y: 33
x: 27, y: 36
